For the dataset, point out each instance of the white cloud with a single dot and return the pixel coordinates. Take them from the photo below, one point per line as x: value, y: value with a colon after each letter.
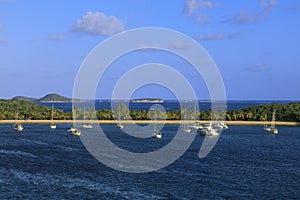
x: 258, y: 67
x: 96, y: 23
x: 268, y: 4
x: 215, y: 36
x: 2, y: 40
x: 191, y: 6
x: 57, y: 38
x: 202, y: 19
x: 244, y: 17
x: 293, y: 6
x: 234, y: 35
x: 180, y: 45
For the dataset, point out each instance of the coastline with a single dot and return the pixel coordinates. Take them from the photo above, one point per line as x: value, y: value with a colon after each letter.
x: 247, y: 123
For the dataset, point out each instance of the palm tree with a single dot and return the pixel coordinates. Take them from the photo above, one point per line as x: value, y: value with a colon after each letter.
x: 248, y: 115
x: 228, y: 117
x: 263, y: 117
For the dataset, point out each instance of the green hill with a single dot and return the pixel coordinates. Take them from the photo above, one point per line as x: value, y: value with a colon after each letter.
x: 22, y: 98
x: 47, y: 98
x: 54, y: 98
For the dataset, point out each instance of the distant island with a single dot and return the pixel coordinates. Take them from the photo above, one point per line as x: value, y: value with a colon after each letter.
x: 54, y: 98
x: 147, y: 100
x: 59, y: 98
x: 47, y: 98
x: 22, y: 98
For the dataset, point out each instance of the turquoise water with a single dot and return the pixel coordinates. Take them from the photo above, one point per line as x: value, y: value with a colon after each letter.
x: 247, y: 162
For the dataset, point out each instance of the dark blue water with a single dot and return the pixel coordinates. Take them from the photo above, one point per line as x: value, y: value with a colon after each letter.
x: 169, y: 105
x: 40, y: 163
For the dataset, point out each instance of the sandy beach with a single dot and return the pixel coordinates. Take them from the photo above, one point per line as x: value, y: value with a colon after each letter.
x: 248, y: 123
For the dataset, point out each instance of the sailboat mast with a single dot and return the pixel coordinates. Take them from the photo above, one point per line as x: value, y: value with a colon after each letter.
x: 273, y: 120
x: 52, y: 113
x: 154, y: 124
x: 195, y: 112
x: 185, y: 118
x: 16, y: 117
x: 84, y: 114
x: 74, y: 116
x: 119, y: 117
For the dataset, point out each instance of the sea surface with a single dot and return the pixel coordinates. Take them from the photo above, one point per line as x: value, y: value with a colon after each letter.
x: 246, y: 163
x: 168, y: 105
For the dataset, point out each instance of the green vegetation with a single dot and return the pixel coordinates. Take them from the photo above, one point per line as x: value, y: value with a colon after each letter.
x: 284, y: 112
x: 27, y: 110
x: 54, y: 98
x: 22, y: 98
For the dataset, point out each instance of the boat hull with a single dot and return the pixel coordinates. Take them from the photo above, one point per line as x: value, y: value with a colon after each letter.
x: 52, y: 126
x: 18, y: 127
x: 87, y: 126
x: 157, y: 135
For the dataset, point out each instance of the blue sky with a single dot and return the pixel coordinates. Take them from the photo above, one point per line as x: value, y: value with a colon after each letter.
x: 255, y: 43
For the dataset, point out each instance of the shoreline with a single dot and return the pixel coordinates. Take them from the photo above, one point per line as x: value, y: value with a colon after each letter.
x: 247, y: 123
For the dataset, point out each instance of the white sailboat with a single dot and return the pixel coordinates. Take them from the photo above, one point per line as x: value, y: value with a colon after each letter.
x: 266, y: 127
x: 17, y: 126
x: 86, y: 125
x: 73, y: 129
x: 197, y: 124
x: 186, y: 128
x: 209, y: 131
x: 222, y: 125
x: 272, y: 127
x: 119, y: 124
x: 156, y: 134
x: 52, y: 125
x: 76, y: 132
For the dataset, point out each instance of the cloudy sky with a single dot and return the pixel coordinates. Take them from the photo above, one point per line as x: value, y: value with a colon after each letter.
x: 254, y: 43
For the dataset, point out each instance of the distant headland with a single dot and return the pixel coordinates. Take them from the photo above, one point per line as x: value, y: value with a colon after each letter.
x: 147, y: 100
x: 47, y: 98
x: 59, y: 98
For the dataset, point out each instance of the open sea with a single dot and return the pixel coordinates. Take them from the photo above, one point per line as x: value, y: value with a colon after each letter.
x: 246, y: 163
